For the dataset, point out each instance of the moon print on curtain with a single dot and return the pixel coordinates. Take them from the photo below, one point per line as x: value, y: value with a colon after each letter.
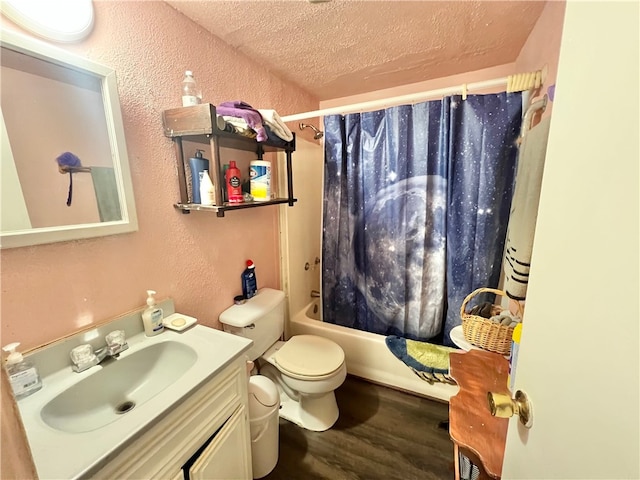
x: 386, y: 209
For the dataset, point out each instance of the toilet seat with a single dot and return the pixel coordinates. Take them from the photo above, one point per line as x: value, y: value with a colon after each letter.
x: 309, y: 357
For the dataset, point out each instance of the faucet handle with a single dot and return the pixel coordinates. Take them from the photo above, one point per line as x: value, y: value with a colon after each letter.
x: 116, y: 342
x: 115, y: 338
x: 83, y: 357
x: 82, y: 354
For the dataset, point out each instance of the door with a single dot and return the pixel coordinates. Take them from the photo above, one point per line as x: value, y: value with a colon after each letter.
x: 578, y: 357
x: 227, y: 456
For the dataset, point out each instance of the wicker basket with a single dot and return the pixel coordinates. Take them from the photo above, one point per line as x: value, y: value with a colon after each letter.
x: 484, y: 333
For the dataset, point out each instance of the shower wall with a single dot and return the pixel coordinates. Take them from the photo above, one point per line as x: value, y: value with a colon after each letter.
x: 300, y: 226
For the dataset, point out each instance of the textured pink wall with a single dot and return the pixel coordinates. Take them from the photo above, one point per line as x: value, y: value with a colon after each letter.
x: 434, y: 84
x: 51, y: 290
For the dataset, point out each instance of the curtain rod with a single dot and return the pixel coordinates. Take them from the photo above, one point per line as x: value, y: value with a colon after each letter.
x: 525, y: 80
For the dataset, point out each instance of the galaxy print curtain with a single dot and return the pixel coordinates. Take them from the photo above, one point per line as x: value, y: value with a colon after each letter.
x: 416, y: 206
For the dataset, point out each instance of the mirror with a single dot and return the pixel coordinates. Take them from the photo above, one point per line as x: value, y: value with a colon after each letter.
x: 64, y: 166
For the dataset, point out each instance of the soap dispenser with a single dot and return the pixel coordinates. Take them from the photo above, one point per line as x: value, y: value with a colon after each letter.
x: 152, y: 316
x: 23, y: 375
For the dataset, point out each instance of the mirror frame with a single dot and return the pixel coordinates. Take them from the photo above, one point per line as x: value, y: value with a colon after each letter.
x: 129, y: 222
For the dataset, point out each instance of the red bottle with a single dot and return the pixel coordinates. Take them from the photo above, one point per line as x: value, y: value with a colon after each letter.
x: 234, y: 183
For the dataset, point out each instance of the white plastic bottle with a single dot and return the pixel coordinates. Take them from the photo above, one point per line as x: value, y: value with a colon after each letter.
x: 190, y: 92
x: 152, y: 316
x: 23, y: 375
x: 206, y: 189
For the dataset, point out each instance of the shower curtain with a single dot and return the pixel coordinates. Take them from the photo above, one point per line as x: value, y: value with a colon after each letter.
x: 416, y: 205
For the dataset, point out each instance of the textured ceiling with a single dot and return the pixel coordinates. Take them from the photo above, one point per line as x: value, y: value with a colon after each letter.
x: 345, y: 47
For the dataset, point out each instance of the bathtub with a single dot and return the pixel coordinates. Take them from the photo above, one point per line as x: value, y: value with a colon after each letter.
x: 367, y: 355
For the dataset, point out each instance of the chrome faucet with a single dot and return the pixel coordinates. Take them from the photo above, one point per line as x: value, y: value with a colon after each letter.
x: 83, y: 356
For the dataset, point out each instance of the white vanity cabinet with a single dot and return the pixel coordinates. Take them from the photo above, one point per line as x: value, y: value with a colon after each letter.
x: 206, y: 436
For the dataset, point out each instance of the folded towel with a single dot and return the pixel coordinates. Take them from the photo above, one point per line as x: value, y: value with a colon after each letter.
x: 245, y: 111
x: 239, y: 126
x: 106, y: 189
x: 276, y: 124
x: 273, y: 138
x: 524, y: 211
x: 430, y: 362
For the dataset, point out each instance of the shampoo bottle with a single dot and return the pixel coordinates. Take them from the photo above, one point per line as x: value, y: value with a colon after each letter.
x: 234, y: 183
x: 249, y: 283
x: 152, y: 316
x: 23, y: 375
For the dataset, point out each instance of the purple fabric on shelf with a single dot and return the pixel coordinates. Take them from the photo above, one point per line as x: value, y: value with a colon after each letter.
x: 238, y: 104
x: 245, y: 111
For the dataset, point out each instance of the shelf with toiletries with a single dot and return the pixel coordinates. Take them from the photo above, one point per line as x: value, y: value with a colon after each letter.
x: 201, y: 125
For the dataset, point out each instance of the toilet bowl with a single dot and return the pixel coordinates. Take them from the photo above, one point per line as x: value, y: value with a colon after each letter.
x: 306, y: 368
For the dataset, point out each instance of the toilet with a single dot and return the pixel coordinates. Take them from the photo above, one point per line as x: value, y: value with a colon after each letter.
x: 306, y: 368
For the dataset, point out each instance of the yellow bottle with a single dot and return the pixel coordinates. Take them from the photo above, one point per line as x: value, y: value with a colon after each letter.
x: 513, y: 356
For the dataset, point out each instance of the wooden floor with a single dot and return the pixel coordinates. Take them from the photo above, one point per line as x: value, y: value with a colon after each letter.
x: 381, y: 434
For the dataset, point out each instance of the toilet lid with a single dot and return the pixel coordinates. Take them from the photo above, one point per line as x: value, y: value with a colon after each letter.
x: 310, y: 356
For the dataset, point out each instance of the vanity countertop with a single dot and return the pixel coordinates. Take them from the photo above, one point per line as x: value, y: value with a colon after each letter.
x: 61, y: 454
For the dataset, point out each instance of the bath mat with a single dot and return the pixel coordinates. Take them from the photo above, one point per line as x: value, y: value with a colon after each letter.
x: 428, y: 361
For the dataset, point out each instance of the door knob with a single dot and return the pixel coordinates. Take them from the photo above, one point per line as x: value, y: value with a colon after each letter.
x: 503, y: 406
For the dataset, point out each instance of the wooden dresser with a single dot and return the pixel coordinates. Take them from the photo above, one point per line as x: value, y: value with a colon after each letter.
x: 474, y: 431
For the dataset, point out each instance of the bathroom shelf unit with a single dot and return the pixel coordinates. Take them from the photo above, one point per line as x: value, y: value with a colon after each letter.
x: 200, y: 124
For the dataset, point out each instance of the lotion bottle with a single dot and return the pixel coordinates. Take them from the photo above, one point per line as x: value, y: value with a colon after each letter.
x: 207, y: 192
x: 197, y: 164
x: 23, y: 375
x: 152, y: 316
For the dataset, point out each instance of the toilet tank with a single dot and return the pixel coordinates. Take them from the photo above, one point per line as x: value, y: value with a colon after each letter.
x: 260, y: 318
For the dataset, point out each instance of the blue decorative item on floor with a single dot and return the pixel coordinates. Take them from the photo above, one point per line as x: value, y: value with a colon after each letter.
x: 430, y: 362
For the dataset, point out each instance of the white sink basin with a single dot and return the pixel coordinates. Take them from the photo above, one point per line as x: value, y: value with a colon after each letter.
x: 118, y: 387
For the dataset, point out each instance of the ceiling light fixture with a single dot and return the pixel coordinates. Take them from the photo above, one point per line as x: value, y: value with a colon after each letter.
x: 58, y: 20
